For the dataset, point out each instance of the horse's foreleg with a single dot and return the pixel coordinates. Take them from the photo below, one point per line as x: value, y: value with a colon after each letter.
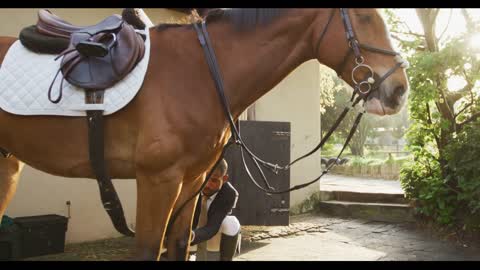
x: 10, y: 169
x: 178, y: 238
x: 156, y: 196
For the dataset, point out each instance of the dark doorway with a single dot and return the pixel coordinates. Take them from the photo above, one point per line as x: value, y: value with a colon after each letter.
x: 270, y: 141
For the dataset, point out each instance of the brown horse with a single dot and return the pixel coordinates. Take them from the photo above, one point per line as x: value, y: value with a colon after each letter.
x: 174, y: 130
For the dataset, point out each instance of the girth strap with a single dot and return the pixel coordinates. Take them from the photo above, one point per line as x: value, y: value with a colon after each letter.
x: 109, y: 196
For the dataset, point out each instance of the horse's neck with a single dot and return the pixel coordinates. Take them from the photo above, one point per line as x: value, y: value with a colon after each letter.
x: 253, y: 63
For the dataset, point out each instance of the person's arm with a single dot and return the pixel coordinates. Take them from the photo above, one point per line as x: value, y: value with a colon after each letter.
x: 215, y: 220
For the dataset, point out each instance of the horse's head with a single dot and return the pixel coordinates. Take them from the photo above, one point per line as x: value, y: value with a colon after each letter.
x: 356, y: 43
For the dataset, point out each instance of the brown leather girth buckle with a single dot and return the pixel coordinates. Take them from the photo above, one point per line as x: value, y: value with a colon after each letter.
x: 5, y: 153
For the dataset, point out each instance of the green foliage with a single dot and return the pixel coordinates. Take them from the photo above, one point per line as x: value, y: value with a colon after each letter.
x: 333, y: 110
x: 307, y: 205
x: 462, y: 155
x: 330, y: 84
x: 390, y: 159
x: 443, y: 179
x: 328, y: 149
x: 422, y: 182
x: 357, y: 161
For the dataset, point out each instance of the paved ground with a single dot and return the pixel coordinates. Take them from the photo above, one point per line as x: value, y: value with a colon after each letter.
x: 322, y: 237
x: 314, y: 237
x: 355, y: 184
x: 325, y: 238
x: 308, y: 238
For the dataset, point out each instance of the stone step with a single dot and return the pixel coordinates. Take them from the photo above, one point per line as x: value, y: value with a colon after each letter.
x: 350, y: 196
x: 385, y: 212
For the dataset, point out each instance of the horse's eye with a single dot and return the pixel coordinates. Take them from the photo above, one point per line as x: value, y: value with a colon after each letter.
x: 365, y: 18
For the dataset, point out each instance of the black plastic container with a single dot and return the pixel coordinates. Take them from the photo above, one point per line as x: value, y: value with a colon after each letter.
x: 42, y: 235
x: 10, y: 244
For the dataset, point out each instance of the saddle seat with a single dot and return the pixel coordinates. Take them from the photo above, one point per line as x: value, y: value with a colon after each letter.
x: 52, y: 25
x: 102, y: 54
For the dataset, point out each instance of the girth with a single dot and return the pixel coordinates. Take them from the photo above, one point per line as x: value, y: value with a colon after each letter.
x: 96, y: 151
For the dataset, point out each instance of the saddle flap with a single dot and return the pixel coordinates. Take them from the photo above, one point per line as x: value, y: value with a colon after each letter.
x: 90, y: 72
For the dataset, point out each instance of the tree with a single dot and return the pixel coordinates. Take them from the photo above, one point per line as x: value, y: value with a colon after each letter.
x: 444, y: 177
x: 337, y: 101
x: 451, y: 110
x: 396, y: 124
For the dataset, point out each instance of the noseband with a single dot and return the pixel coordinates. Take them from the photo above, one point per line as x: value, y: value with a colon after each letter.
x: 362, y: 88
x: 355, y: 46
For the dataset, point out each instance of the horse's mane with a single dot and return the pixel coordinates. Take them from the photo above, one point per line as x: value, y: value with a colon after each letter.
x: 243, y: 19
x: 246, y: 18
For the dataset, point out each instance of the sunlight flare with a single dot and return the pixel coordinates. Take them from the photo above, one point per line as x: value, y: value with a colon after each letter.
x: 456, y: 83
x: 475, y: 41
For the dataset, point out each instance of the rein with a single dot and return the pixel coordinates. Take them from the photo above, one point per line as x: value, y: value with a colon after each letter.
x: 363, y: 89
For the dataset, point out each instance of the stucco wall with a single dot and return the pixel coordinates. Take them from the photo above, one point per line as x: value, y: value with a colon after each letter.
x: 296, y: 100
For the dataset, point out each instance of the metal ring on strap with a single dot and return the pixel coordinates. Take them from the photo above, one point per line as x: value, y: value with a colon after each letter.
x: 361, y: 66
x: 359, y: 87
x: 359, y: 60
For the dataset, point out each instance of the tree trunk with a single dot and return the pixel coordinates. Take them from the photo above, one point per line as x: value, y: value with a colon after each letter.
x: 357, y: 149
x: 358, y: 141
x: 444, y: 105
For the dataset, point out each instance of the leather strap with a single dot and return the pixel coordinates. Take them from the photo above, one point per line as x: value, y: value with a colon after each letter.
x: 215, y: 71
x: 108, y: 194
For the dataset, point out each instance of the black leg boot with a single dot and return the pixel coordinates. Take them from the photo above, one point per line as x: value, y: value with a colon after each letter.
x: 228, y: 246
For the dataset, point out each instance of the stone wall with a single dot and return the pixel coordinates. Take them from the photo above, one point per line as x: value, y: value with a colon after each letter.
x: 384, y: 171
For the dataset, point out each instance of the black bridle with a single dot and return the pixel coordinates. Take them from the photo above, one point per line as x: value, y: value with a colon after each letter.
x: 363, y: 89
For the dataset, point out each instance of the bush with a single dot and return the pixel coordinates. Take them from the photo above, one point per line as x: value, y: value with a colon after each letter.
x: 372, y: 167
x: 328, y: 147
x: 422, y: 184
x: 451, y: 200
x: 369, y: 161
x: 443, y: 179
x: 464, y: 164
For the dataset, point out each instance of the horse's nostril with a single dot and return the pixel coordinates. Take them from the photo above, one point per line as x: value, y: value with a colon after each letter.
x: 399, y: 91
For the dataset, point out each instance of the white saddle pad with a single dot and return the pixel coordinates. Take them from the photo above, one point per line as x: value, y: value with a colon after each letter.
x: 25, y: 77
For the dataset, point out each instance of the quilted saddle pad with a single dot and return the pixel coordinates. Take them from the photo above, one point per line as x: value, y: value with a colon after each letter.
x: 25, y: 77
